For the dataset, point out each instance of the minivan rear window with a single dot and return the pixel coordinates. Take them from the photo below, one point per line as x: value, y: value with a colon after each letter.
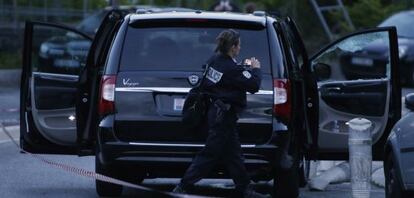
x: 185, y: 48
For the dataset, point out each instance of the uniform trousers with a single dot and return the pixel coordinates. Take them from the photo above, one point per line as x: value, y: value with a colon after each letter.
x: 222, y: 146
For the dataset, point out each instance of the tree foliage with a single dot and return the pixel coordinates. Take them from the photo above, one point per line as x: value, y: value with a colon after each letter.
x: 363, y: 13
x: 369, y: 13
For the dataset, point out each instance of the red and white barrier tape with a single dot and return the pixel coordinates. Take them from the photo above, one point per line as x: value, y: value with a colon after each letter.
x: 92, y: 174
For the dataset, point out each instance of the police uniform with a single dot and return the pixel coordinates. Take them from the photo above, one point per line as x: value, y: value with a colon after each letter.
x: 227, y: 84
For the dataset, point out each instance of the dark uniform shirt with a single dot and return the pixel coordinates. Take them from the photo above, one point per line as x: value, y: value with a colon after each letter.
x: 229, y: 82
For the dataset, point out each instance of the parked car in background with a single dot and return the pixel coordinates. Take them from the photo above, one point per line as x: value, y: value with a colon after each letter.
x: 370, y: 60
x: 125, y: 105
x: 404, y: 22
x: 90, y: 24
x: 65, y: 51
x: 399, y: 155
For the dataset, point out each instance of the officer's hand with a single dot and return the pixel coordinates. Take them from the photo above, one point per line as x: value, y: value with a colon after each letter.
x: 255, y: 63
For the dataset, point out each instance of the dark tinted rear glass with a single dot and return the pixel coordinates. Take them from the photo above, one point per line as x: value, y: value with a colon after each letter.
x: 185, y: 48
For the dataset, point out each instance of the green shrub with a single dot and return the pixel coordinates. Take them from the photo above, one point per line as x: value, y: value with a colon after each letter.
x: 10, y: 60
x: 369, y: 13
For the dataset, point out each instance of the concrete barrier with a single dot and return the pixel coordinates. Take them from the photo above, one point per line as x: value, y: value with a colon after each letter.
x: 10, y: 77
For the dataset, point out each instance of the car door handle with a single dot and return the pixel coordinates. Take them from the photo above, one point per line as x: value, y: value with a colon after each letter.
x: 334, y: 89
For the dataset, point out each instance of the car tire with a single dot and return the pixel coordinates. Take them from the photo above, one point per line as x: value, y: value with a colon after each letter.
x: 286, y: 181
x: 105, y: 189
x: 393, y: 186
x: 132, y: 174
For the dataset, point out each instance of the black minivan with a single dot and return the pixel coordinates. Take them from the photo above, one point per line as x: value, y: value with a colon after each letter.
x: 124, y: 103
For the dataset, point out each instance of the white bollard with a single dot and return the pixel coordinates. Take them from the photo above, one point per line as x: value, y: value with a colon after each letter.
x: 360, y: 156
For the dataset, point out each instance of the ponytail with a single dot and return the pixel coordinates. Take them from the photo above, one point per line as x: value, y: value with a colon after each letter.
x: 227, y: 39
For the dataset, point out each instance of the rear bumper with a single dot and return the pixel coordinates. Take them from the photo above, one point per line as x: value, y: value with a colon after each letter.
x: 156, y: 152
x: 171, y: 159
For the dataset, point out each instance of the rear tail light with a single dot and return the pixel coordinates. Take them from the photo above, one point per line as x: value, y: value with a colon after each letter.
x: 107, y: 95
x: 282, y: 102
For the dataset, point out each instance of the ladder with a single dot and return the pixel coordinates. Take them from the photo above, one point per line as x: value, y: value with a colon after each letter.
x: 339, y: 6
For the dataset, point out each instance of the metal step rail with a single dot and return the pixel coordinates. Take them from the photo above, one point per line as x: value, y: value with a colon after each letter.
x: 339, y: 6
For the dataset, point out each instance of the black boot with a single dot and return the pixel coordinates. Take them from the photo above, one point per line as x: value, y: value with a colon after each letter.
x: 180, y: 189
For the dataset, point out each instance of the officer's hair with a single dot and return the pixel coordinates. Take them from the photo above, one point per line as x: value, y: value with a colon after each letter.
x: 227, y: 39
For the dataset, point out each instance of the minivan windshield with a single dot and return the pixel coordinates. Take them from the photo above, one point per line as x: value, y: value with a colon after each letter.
x: 185, y: 48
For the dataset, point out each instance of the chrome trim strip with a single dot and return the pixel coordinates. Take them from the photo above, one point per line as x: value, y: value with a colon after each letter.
x: 27, y: 124
x: 182, y: 145
x: 56, y: 75
x: 153, y: 89
x: 172, y: 89
x: 264, y: 92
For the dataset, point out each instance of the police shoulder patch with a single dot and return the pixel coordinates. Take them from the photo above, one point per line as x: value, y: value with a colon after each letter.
x: 247, y: 74
x: 214, y: 75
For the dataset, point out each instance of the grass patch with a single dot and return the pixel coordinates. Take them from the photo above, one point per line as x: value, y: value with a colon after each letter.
x: 10, y: 60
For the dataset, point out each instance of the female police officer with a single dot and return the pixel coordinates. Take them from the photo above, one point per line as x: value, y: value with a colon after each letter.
x: 227, y: 83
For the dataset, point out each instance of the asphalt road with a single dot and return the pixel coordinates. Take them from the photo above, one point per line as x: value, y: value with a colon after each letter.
x: 23, y: 176
x: 9, y: 105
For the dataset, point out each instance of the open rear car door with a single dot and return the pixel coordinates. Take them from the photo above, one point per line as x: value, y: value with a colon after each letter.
x: 55, y: 57
x: 357, y: 77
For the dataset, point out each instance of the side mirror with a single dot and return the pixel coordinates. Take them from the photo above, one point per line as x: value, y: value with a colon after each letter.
x: 409, y: 101
x: 322, y: 71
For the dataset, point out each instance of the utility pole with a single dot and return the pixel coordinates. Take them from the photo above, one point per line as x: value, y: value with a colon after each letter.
x: 339, y: 6
x: 114, y: 4
x: 45, y: 10
x: 85, y: 8
x: 15, y: 15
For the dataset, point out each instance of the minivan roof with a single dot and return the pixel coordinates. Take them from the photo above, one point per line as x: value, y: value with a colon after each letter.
x: 250, y: 18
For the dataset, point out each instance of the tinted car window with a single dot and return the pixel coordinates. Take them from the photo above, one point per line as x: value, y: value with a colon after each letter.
x: 58, y: 51
x: 185, y: 48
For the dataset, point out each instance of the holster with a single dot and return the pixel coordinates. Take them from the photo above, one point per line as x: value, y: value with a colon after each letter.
x: 222, y: 109
x: 221, y: 105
